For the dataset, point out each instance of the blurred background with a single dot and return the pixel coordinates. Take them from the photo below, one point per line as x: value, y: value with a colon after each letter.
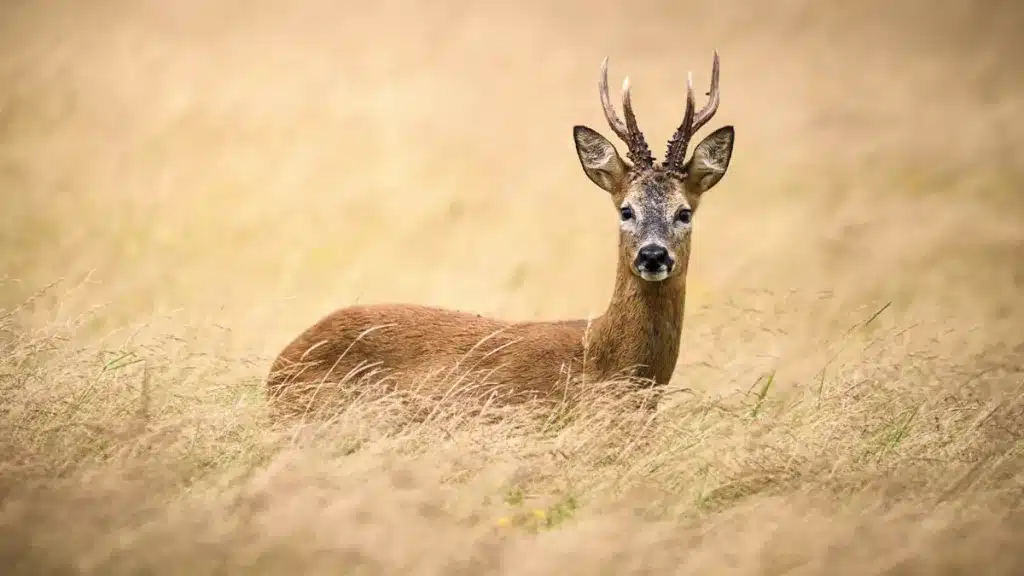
x: 257, y: 164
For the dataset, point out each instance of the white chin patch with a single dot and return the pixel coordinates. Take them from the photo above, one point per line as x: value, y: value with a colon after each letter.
x: 654, y: 276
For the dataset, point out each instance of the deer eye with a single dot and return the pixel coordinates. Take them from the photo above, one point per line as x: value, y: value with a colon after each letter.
x: 684, y: 216
x: 626, y: 213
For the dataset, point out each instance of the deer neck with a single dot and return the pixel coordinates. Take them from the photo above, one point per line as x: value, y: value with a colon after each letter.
x: 639, y: 333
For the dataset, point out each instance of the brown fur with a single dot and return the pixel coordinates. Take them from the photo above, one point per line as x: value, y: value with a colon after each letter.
x: 404, y: 346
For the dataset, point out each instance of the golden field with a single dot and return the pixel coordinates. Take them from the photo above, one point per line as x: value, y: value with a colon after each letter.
x: 186, y: 185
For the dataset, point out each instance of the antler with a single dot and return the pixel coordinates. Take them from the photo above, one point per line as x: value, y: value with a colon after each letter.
x: 676, y: 154
x: 628, y: 131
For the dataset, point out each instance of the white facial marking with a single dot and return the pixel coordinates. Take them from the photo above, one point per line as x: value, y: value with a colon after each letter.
x: 654, y: 276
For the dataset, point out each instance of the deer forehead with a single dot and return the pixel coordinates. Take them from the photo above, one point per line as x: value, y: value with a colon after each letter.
x: 653, y: 192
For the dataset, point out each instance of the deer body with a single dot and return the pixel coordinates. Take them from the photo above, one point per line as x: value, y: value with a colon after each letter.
x: 638, y: 335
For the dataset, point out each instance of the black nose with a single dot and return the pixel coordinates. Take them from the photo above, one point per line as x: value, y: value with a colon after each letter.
x: 653, y: 258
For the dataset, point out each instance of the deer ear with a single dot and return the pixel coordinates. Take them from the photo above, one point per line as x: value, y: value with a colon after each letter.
x: 599, y: 159
x: 710, y: 160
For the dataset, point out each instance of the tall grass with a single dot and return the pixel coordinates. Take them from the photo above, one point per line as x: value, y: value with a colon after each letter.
x: 150, y: 452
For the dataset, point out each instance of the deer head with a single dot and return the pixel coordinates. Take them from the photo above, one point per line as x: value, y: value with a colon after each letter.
x: 656, y: 204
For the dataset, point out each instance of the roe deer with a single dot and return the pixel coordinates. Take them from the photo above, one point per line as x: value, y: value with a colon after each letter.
x: 637, y: 337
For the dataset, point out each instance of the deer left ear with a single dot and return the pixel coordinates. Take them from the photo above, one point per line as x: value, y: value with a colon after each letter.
x: 710, y: 160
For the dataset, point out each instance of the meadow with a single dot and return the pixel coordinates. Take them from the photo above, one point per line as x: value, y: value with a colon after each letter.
x: 185, y: 186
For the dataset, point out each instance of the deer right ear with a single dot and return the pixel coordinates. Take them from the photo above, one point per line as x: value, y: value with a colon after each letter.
x: 599, y: 158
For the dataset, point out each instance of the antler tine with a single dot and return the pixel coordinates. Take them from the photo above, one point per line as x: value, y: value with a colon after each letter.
x: 627, y: 131
x: 681, y: 139
x: 711, y: 107
x: 692, y: 122
x: 639, y: 152
x: 614, y: 121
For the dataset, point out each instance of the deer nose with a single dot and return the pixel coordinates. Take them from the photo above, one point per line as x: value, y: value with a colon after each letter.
x: 654, y: 258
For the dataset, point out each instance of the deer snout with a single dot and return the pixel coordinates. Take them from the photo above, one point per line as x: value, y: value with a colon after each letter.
x: 653, y: 262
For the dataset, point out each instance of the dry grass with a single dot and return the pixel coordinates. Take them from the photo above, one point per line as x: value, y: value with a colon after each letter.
x: 210, y: 177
